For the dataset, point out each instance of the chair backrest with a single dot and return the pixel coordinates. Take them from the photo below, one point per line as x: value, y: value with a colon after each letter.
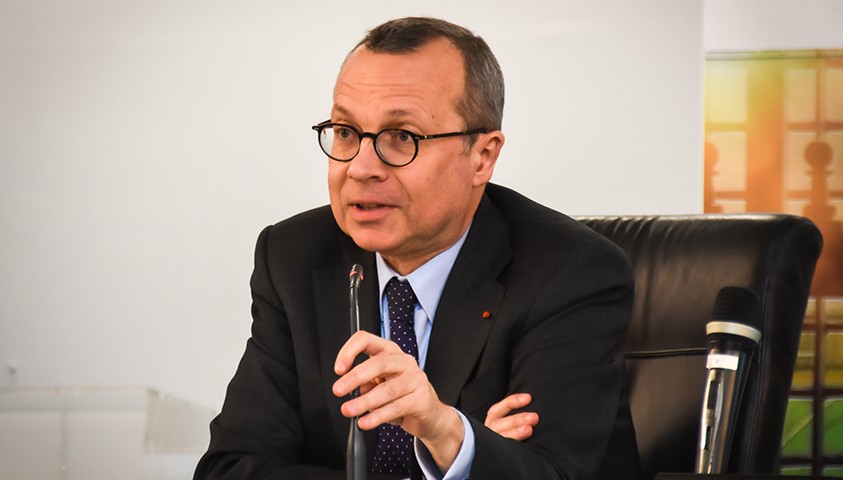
x: 681, y: 263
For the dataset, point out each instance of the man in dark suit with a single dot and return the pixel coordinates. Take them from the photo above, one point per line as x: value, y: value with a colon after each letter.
x: 505, y: 296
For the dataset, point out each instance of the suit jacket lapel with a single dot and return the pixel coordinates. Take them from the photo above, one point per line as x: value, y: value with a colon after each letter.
x: 467, y: 308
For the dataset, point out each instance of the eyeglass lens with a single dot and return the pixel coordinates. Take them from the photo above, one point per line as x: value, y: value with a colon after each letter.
x: 395, y: 147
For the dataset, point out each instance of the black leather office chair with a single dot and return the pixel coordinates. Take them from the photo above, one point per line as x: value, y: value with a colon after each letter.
x: 680, y: 263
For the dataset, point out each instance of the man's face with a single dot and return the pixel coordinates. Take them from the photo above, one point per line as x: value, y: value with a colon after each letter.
x: 408, y: 214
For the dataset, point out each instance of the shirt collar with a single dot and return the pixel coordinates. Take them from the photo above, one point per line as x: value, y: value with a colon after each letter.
x: 427, y: 281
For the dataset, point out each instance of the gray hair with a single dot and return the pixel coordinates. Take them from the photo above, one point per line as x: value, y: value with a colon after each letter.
x: 481, y: 105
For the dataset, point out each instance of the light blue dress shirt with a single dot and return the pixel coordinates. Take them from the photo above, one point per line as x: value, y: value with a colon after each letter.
x: 428, y: 282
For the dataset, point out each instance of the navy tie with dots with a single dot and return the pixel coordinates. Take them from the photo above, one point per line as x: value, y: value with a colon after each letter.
x: 394, y: 444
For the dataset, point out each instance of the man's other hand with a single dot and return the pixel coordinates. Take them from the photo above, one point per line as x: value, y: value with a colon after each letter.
x: 518, y: 426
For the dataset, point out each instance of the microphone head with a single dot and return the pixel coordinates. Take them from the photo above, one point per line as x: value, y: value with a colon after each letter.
x: 737, y: 311
x: 355, y: 275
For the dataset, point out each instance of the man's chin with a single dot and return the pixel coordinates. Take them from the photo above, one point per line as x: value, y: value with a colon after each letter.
x: 372, y: 241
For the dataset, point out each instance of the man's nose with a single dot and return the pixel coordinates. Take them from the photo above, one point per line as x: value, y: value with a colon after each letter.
x: 367, y: 163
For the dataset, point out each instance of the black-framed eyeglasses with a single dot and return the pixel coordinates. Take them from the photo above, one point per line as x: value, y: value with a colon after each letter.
x: 393, y: 146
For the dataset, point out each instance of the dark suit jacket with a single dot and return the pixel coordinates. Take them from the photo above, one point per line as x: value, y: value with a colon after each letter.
x: 559, y: 298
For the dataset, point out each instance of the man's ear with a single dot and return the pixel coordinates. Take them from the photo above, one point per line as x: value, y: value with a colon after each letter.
x: 485, y: 150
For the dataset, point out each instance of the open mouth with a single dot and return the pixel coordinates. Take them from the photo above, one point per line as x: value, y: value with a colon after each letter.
x: 367, y: 206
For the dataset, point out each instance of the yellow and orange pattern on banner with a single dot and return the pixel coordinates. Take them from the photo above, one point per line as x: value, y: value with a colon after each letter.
x: 774, y: 143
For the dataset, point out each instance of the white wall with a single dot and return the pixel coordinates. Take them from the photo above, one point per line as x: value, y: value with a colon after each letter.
x: 144, y: 144
x: 741, y: 25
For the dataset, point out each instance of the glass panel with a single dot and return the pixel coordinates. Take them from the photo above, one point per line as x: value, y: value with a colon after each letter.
x: 833, y: 471
x: 796, y: 438
x: 725, y: 96
x: 796, y: 168
x: 730, y: 169
x: 797, y: 207
x: 801, y: 96
x: 834, y: 95
x: 833, y: 360
x: 732, y: 206
x: 835, y: 177
x: 838, y: 210
x: 833, y: 428
x: 803, y: 375
x: 833, y: 311
x: 796, y: 470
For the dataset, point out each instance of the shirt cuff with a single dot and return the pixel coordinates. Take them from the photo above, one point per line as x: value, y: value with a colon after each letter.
x: 461, y: 467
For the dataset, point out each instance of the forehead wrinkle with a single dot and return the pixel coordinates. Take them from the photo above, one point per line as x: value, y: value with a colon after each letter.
x: 392, y: 115
x: 395, y: 113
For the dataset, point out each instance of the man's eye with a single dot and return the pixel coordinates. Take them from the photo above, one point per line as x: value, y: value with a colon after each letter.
x: 403, y: 136
x: 344, y: 133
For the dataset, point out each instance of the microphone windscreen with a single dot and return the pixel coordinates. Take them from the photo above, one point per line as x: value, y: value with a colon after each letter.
x: 738, y: 304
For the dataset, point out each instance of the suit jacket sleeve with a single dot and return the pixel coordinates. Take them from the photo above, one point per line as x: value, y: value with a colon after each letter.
x: 568, y: 357
x: 556, y: 334
x: 258, y: 433
x: 261, y: 432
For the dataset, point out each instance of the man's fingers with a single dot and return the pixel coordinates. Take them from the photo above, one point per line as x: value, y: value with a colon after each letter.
x: 392, y: 390
x: 391, y: 412
x: 507, y: 405
x: 385, y: 359
x: 389, y: 381
x: 375, y: 370
x: 387, y: 401
x: 513, y: 422
x: 519, y: 434
x: 360, y: 342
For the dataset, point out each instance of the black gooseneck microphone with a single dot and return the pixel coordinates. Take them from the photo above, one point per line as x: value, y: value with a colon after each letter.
x: 355, y: 459
x: 733, y: 333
